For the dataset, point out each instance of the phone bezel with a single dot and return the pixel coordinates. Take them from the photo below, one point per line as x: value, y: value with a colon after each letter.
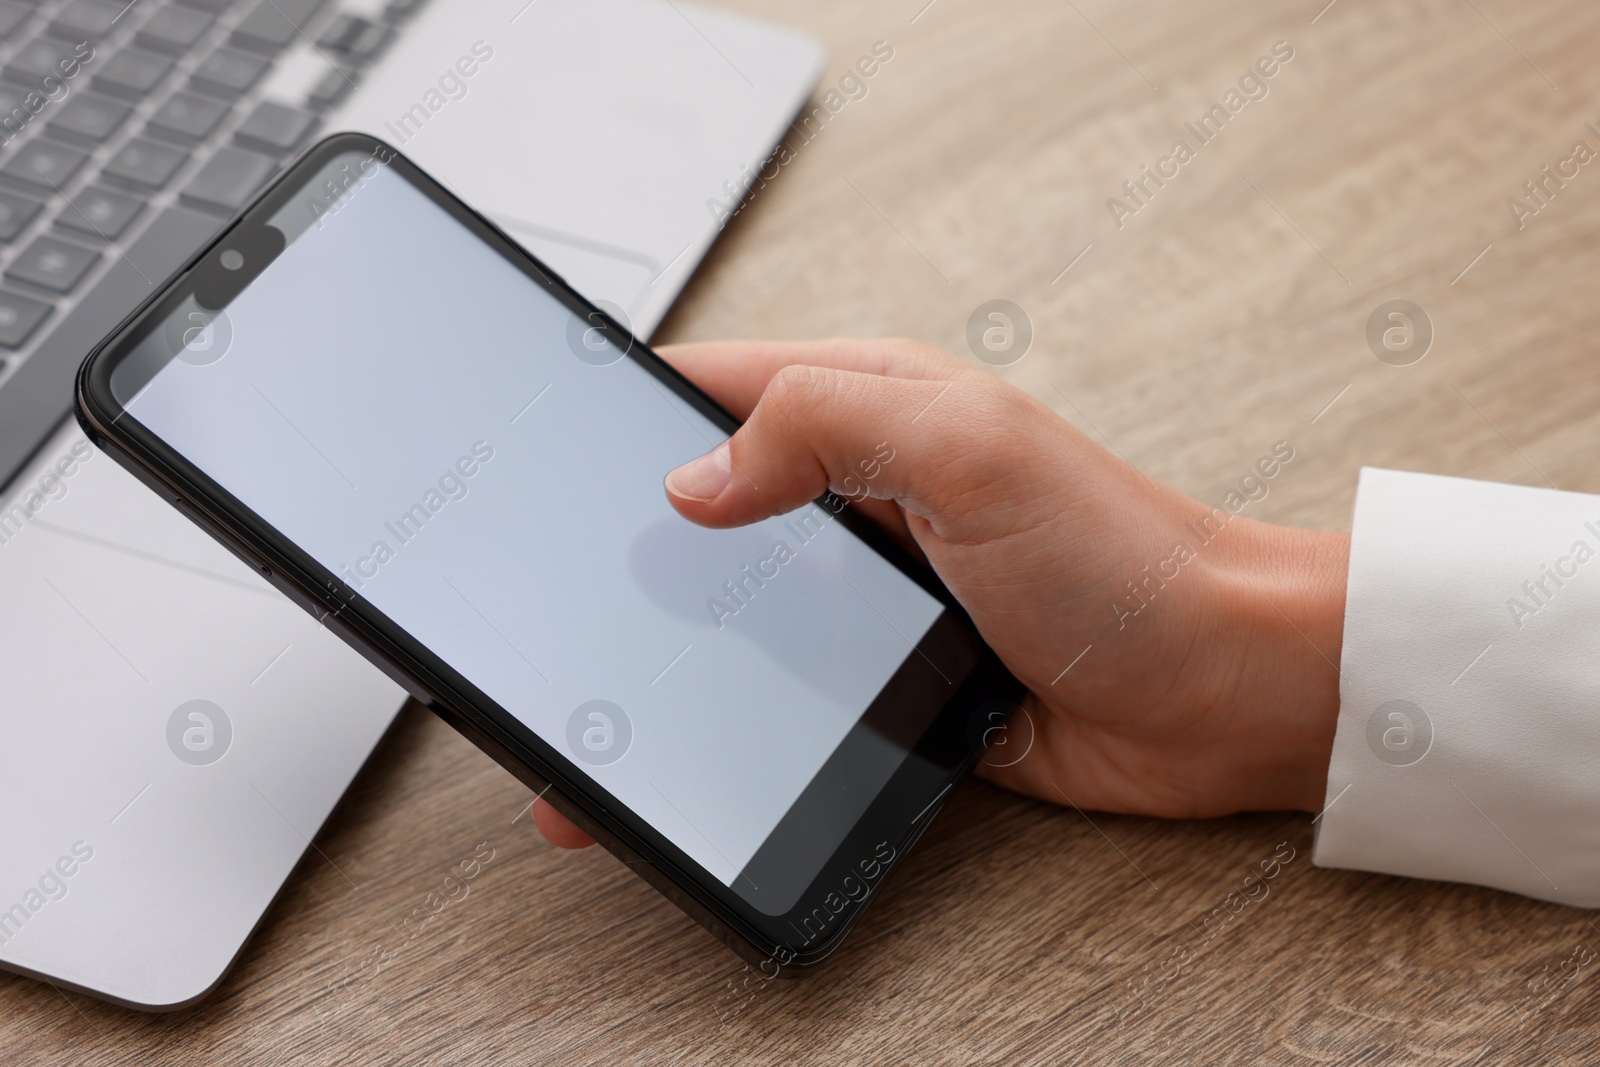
x: 943, y: 754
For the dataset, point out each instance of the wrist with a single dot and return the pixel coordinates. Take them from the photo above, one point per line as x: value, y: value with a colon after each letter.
x: 1280, y: 595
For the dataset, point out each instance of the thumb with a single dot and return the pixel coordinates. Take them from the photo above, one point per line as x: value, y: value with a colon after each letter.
x: 934, y: 447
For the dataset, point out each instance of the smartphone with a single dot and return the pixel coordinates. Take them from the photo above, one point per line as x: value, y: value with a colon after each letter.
x: 427, y: 439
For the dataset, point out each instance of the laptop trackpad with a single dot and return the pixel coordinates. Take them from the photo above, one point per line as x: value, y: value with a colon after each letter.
x: 600, y: 133
x: 175, y: 731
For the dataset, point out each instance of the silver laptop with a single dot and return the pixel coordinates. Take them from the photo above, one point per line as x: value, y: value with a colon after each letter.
x: 173, y: 732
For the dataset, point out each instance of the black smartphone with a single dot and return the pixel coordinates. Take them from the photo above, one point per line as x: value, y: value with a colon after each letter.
x: 428, y: 440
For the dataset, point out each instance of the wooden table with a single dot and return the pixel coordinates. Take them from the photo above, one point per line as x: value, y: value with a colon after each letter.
x: 1226, y: 313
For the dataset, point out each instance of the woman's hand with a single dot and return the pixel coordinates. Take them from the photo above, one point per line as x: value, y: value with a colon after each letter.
x: 1180, y: 660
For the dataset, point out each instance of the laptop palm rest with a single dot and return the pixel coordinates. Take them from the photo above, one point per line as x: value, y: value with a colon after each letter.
x: 160, y: 782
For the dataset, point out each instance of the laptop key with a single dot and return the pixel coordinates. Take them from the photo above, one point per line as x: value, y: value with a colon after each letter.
x: 39, y: 393
x: 85, y: 19
x: 274, y: 128
x: 19, y: 317
x: 145, y: 164
x: 99, y: 213
x: 132, y: 72
x: 11, y: 17
x: 43, y: 58
x: 86, y: 117
x: 272, y: 24
x: 52, y: 264
x: 228, y: 72
x: 355, y: 37
x: 44, y: 164
x: 370, y: 42
x: 15, y: 214
x: 187, y: 117
x: 228, y: 180
x: 402, y: 9
x: 341, y: 32
x: 330, y: 89
x: 14, y: 117
x: 174, y: 29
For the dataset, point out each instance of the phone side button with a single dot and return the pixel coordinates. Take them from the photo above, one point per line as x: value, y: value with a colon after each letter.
x: 190, y: 512
x: 334, y: 624
x: 292, y: 591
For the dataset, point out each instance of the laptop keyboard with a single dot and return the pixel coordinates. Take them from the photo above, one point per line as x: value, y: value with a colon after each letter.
x: 113, y: 176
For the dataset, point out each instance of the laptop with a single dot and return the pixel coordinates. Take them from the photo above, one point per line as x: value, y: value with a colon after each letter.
x: 174, y: 732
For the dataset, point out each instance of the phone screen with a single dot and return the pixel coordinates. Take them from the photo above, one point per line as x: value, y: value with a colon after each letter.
x: 410, y: 408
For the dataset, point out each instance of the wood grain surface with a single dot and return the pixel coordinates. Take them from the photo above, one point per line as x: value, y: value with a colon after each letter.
x: 1227, y: 313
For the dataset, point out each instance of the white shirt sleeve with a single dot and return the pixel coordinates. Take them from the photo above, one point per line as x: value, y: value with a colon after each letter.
x: 1468, y: 743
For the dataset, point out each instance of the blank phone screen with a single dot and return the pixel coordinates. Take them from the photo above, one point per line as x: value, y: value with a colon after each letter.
x: 422, y: 418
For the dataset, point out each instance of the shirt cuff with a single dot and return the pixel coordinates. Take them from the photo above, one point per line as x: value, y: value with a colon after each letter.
x: 1468, y: 742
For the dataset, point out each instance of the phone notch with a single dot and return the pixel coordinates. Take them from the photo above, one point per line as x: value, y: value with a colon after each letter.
x: 234, y: 263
